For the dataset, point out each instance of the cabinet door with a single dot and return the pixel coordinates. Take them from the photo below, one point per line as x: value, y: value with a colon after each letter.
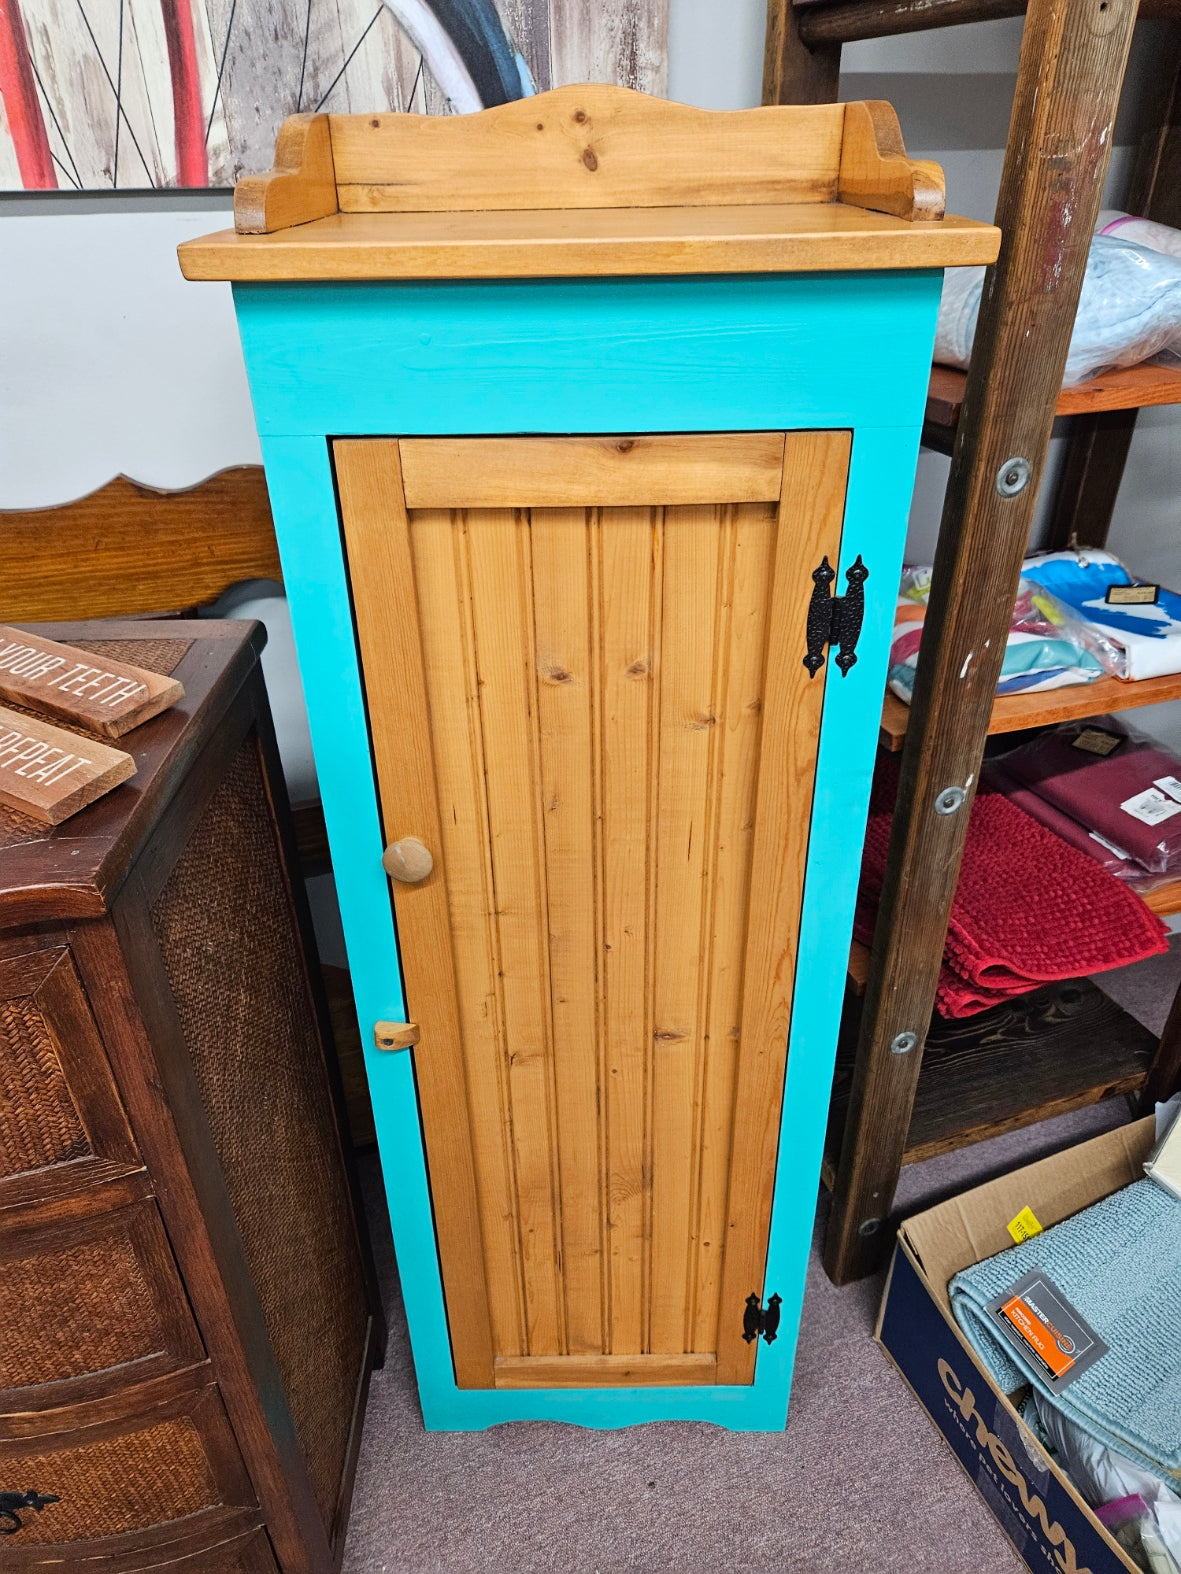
x: 583, y: 662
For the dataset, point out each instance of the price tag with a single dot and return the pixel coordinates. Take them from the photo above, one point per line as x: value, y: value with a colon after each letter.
x: 1132, y: 595
x: 1097, y: 740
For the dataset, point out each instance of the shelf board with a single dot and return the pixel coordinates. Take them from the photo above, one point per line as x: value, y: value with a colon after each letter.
x: 1013, y: 712
x: 1043, y: 1054
x: 1132, y: 388
x: 1165, y: 901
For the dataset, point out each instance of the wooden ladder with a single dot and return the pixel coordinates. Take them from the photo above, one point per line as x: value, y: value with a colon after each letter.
x: 1073, y: 58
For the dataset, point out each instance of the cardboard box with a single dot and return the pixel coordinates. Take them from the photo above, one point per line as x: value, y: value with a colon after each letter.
x: 1050, y: 1526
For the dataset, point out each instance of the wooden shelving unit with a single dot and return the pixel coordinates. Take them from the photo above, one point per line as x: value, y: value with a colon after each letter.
x: 1067, y: 1045
x: 1042, y: 1054
x: 1015, y: 712
x: 1132, y: 388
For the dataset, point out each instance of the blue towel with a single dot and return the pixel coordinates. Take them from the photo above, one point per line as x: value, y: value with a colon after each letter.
x: 1119, y: 1265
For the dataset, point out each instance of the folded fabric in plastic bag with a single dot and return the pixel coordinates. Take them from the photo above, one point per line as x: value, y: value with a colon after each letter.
x: 1157, y: 237
x: 1136, y: 640
x: 1129, y: 309
x: 1045, y: 647
x: 1028, y: 910
x: 1118, y: 1263
x: 1112, y: 780
x: 1103, y: 1474
x: 1106, y: 854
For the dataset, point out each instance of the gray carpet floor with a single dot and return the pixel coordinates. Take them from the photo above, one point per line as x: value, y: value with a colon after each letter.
x: 860, y: 1480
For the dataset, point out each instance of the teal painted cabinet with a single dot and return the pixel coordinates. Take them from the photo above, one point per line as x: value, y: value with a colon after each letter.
x: 590, y: 425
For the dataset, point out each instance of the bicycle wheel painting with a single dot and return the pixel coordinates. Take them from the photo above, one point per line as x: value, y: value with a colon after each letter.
x: 133, y: 94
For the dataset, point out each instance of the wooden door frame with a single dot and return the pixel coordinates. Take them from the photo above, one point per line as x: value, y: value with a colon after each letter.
x: 631, y: 355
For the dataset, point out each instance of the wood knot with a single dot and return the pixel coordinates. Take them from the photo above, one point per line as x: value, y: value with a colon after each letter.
x: 638, y: 669
x: 580, y: 115
x: 558, y: 674
x: 590, y: 159
x: 540, y: 126
x: 704, y: 719
x: 669, y: 1035
x: 375, y: 123
x: 625, y: 445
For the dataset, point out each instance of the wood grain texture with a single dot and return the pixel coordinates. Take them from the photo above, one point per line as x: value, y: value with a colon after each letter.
x: 587, y: 146
x: 624, y: 41
x: 1072, y: 63
x: 49, y: 773
x: 556, y: 472
x: 811, y: 515
x: 1097, y: 448
x: 793, y: 73
x: 1098, y: 445
x: 300, y: 186
x: 104, y: 696
x: 803, y: 237
x: 377, y: 532
x: 396, y: 1035
x: 847, y: 21
x: 1127, y: 388
x: 1015, y: 712
x: 128, y: 549
x: 875, y: 171
x: 1029, y: 1059
x: 604, y: 1371
x: 595, y: 712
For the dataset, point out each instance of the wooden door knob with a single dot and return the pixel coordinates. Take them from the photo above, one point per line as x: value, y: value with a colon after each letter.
x: 407, y: 860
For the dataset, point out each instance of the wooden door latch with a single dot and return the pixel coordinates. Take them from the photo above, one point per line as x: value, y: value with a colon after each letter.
x: 395, y: 1035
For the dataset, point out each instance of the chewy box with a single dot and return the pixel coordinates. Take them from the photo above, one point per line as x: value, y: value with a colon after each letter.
x: 1039, y: 1510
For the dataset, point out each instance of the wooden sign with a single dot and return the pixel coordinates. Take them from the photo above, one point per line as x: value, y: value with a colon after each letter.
x: 106, y: 697
x: 49, y: 774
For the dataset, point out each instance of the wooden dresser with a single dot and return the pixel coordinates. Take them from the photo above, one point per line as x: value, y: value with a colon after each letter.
x: 187, y: 1320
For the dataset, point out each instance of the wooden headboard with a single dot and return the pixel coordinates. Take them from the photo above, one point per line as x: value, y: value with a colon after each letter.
x: 128, y: 549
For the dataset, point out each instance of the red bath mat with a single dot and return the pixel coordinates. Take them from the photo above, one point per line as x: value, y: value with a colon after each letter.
x: 1029, y: 909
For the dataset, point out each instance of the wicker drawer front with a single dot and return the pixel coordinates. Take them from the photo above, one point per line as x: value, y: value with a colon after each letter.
x: 59, y: 1110
x: 89, y: 1297
x: 126, y: 1476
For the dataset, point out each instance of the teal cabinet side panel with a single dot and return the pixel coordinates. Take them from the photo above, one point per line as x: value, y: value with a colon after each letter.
x: 751, y: 355
x: 881, y: 478
x: 303, y: 499
x: 592, y: 355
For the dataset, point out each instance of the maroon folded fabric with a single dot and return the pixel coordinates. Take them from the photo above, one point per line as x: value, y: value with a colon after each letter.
x: 1094, y: 791
x: 995, y: 776
x: 1029, y: 908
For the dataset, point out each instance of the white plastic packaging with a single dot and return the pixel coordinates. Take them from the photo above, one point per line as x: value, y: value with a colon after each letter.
x: 1129, y: 310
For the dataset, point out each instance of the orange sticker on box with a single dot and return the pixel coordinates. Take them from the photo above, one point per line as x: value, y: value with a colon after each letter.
x: 1055, y: 1342
x: 1048, y: 1343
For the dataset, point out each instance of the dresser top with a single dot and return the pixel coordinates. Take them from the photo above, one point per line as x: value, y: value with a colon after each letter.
x: 71, y: 870
x: 589, y: 181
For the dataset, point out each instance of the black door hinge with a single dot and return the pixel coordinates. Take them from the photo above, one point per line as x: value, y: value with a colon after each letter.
x: 835, y: 620
x: 757, y: 1319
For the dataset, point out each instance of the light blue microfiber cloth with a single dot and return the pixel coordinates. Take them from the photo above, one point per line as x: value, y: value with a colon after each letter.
x: 1119, y: 1265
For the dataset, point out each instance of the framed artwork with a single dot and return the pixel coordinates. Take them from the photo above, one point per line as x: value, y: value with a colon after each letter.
x: 97, y: 95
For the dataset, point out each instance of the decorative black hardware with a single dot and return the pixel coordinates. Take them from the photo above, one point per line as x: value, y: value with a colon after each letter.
x: 835, y: 620
x: 10, y: 1502
x: 758, y: 1320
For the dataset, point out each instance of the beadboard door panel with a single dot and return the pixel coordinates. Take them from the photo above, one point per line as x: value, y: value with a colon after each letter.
x: 583, y: 667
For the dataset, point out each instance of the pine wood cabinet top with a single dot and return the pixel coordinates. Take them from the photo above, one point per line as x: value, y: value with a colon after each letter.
x: 589, y: 180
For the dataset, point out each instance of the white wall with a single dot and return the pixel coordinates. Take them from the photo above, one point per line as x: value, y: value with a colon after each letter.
x: 111, y: 362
